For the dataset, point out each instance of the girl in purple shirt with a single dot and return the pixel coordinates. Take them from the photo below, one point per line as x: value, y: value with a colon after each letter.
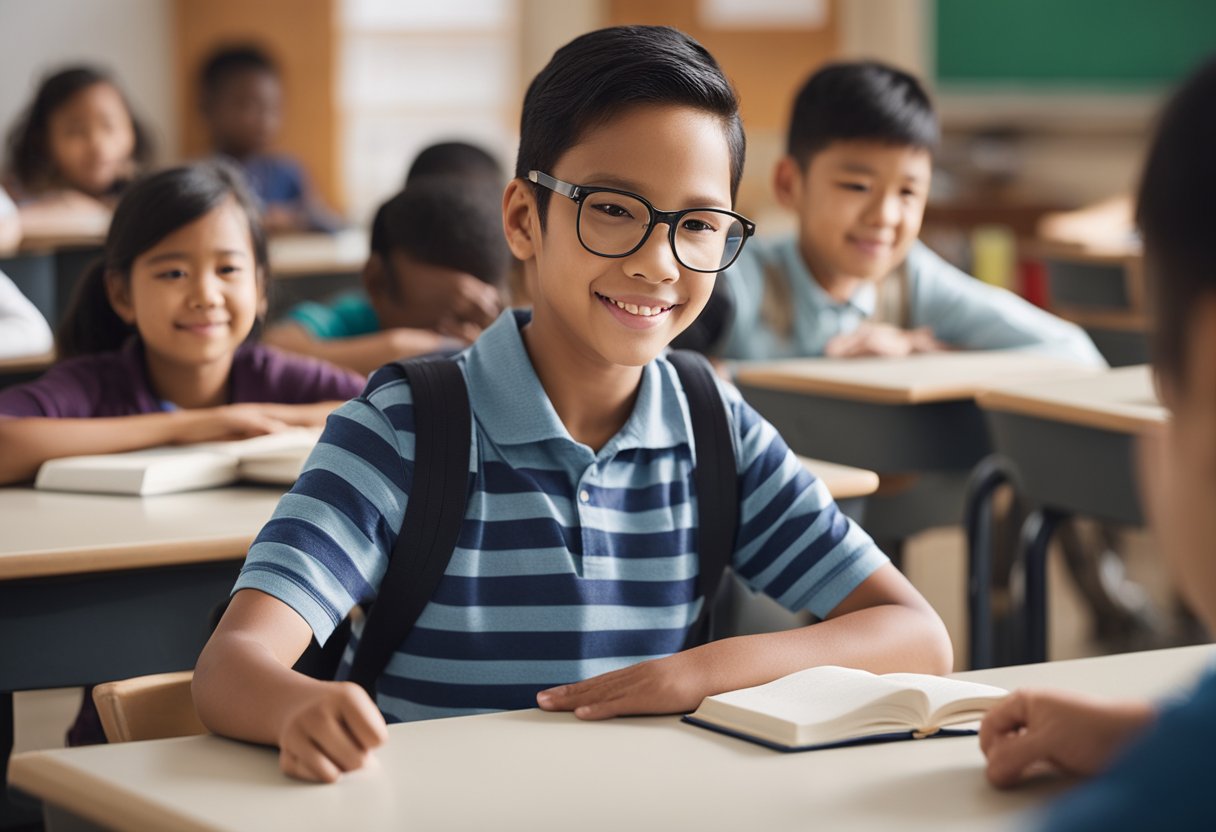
x: 154, y: 349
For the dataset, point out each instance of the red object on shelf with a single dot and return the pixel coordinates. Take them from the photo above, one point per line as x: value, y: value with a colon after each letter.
x: 1032, y: 280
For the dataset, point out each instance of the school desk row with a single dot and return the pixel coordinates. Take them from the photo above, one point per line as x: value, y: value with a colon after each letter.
x: 536, y: 770
x: 303, y: 267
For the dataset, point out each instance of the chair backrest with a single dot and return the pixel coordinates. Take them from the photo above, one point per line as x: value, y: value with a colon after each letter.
x: 148, y: 707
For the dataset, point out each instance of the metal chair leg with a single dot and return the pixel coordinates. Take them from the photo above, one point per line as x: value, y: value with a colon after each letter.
x: 1037, y: 531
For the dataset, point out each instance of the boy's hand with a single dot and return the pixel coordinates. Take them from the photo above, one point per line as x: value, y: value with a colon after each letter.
x: 1032, y: 730
x: 670, y: 685
x: 470, y: 305
x: 331, y: 733
x: 882, y: 340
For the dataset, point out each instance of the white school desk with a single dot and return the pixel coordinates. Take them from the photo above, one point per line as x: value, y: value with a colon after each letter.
x: 1070, y: 446
x: 535, y: 770
x: 95, y: 588
x: 1101, y: 288
x: 314, y: 266
x: 896, y: 416
x: 24, y: 368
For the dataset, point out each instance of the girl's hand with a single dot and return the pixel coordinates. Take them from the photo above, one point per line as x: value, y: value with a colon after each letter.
x: 1030, y: 731
x: 331, y: 733
x: 882, y: 340
x: 234, y: 421
x: 671, y: 685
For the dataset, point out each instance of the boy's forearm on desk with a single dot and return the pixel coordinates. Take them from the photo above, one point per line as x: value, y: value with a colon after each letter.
x: 882, y: 639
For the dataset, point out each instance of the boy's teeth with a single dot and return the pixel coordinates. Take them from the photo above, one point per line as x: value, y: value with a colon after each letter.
x: 634, y: 309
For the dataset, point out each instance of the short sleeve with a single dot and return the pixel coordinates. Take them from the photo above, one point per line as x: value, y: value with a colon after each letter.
x: 326, y: 547
x: 68, y: 390
x: 794, y: 544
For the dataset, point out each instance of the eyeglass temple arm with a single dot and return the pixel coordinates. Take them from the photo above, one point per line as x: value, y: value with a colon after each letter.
x: 555, y: 185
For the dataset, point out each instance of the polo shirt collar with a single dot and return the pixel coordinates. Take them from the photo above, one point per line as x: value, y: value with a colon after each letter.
x: 514, y: 409
x: 864, y: 300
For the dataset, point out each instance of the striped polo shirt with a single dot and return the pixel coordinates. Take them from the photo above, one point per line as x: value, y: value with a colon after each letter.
x: 570, y: 562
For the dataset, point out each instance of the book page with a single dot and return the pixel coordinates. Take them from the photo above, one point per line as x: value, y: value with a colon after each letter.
x: 949, y: 700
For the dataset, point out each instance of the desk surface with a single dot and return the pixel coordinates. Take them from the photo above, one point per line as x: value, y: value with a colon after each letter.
x: 844, y: 482
x: 27, y: 363
x: 301, y: 255
x: 916, y: 379
x: 534, y: 770
x: 50, y: 533
x: 1121, y: 400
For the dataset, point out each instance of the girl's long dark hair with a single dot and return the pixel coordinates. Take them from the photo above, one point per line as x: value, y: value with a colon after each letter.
x: 29, y: 161
x: 151, y: 210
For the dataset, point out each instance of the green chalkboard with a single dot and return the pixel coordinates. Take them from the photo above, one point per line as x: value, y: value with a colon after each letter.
x: 1117, y: 44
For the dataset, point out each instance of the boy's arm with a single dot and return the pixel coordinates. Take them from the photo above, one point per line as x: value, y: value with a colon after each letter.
x: 244, y: 687
x: 883, y: 625
x: 1030, y: 731
x: 362, y: 353
x: 969, y: 314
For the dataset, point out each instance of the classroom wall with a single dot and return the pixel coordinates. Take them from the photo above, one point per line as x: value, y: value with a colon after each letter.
x: 131, y: 38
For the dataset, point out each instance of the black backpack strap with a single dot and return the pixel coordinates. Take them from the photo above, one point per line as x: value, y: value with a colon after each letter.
x: 715, y: 480
x: 437, y: 501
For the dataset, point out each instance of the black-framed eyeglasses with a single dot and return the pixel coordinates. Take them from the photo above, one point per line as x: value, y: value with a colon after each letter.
x: 615, y: 223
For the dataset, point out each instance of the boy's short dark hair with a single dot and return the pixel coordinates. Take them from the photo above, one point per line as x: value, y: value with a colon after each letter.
x: 229, y: 61
x: 599, y: 74
x: 863, y: 100
x: 448, y: 222
x: 457, y: 159
x: 1174, y: 212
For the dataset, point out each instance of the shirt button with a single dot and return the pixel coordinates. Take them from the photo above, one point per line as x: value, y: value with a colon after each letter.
x: 584, y: 495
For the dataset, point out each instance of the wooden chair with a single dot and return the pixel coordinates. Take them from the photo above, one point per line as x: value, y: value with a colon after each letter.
x: 148, y: 707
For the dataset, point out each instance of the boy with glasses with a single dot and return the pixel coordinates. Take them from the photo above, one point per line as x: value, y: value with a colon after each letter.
x: 573, y: 585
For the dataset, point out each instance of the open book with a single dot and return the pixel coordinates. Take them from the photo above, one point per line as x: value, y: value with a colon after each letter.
x: 273, y: 458
x: 824, y: 707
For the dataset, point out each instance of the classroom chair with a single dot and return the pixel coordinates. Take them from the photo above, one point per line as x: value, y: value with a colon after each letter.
x: 148, y: 707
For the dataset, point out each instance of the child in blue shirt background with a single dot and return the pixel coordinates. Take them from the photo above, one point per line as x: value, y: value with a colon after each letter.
x: 242, y: 104
x: 573, y: 582
x: 432, y: 282
x: 855, y: 280
x: 1152, y: 764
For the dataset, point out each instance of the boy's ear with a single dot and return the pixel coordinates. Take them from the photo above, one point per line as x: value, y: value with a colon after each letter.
x: 787, y: 182
x: 520, y: 222
x: 119, y: 293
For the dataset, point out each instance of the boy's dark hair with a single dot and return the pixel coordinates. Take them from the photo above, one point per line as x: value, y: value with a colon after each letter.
x: 456, y: 159
x: 1174, y: 212
x: 29, y: 154
x: 599, y: 74
x: 229, y: 61
x: 448, y: 222
x: 152, y: 209
x: 864, y: 100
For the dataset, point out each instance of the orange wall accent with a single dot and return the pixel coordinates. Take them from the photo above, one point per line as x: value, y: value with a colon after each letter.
x: 302, y: 37
x: 767, y: 66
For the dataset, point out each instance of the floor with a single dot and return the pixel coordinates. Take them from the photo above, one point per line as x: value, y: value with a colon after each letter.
x: 934, y: 562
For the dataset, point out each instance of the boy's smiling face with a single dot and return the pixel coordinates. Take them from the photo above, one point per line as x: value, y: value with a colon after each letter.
x: 859, y: 205
x: 676, y: 157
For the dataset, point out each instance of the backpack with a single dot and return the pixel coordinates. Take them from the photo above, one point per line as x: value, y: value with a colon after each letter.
x: 438, y: 499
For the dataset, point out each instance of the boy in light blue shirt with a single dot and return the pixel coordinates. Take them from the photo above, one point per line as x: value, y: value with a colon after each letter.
x: 856, y: 280
x: 573, y: 582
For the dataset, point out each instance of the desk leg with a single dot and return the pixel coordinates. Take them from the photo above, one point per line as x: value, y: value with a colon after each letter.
x: 13, y: 814
x: 1036, y: 537
x: 979, y: 523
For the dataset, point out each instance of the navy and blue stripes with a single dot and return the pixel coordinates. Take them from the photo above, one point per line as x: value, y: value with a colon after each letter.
x: 570, y: 562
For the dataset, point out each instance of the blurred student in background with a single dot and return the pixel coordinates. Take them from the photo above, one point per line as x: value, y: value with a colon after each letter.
x: 72, y: 152
x: 242, y: 104
x: 431, y: 284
